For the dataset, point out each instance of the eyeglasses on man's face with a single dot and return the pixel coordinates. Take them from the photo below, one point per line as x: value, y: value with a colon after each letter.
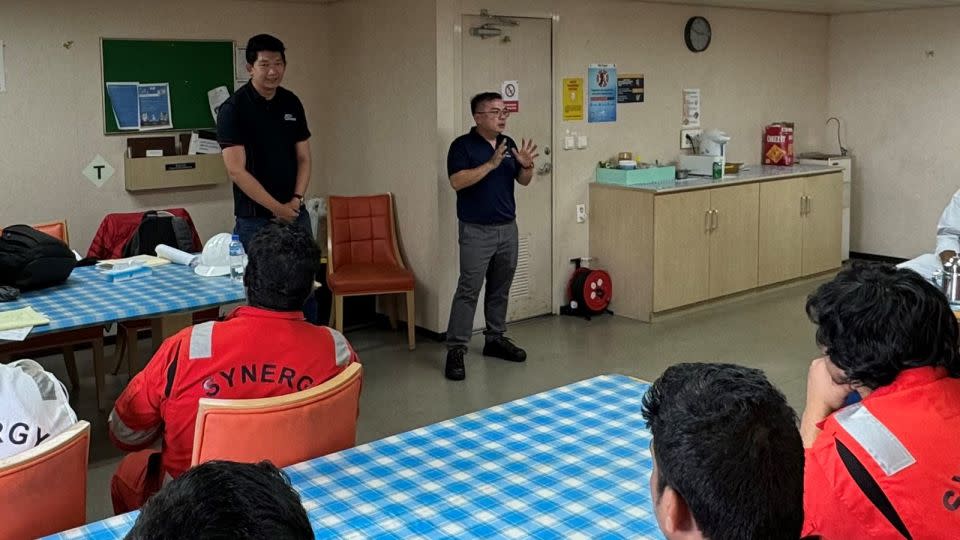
x: 497, y: 112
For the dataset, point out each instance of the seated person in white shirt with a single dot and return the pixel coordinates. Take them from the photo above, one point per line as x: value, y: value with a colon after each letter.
x: 948, y: 242
x: 34, y: 406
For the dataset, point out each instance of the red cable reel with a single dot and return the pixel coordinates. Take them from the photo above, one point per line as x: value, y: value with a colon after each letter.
x: 589, y: 291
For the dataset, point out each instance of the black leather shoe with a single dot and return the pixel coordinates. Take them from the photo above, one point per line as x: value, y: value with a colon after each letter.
x: 454, y: 369
x: 502, y: 347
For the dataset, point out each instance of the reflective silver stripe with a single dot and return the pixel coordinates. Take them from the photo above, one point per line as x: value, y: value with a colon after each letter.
x: 882, y: 445
x: 201, y: 341
x: 343, y: 347
x: 46, y: 383
x: 130, y: 436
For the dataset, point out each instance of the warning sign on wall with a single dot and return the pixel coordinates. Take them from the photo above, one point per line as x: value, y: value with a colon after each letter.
x: 510, y: 90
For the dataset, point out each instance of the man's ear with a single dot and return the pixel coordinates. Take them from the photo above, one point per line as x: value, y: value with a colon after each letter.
x: 678, y: 522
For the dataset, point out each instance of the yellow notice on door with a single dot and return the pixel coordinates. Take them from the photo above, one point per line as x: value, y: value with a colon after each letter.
x: 573, y: 98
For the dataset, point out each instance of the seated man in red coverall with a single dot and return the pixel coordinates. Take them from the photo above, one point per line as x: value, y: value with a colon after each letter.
x: 889, y: 466
x: 261, y: 350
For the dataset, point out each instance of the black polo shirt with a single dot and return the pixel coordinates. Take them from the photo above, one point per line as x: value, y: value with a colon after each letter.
x: 491, y: 200
x: 269, y: 131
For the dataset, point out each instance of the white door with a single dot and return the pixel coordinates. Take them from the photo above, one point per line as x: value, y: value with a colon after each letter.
x: 519, y: 53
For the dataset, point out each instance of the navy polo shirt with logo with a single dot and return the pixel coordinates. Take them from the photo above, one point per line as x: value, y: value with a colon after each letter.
x: 491, y: 200
x: 269, y: 130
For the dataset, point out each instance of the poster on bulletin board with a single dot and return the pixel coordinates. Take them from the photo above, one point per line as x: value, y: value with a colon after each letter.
x: 602, y: 93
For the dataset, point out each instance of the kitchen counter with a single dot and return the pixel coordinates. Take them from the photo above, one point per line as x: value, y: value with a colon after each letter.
x: 754, y: 173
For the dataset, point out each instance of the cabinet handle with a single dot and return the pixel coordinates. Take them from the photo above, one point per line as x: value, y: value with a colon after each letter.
x: 716, y: 219
x: 803, y: 204
x: 808, y: 205
x: 706, y: 221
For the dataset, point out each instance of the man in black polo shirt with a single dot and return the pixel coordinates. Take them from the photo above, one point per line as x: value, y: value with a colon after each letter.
x: 263, y: 131
x: 482, y: 166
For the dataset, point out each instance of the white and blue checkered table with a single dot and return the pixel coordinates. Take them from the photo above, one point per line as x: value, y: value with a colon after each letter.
x: 572, y: 462
x: 87, y: 299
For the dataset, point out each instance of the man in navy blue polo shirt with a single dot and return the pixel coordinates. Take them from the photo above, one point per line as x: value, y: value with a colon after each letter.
x: 483, y: 166
x: 263, y: 131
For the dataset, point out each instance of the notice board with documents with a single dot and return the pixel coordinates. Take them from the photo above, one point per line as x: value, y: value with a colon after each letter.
x: 191, y: 68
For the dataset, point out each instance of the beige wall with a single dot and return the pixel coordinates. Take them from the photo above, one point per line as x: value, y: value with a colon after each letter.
x: 381, y: 132
x: 51, y: 114
x: 380, y: 81
x: 898, y: 108
x: 760, y: 67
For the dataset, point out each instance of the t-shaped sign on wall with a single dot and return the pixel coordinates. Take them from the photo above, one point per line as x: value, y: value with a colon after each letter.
x: 98, y: 171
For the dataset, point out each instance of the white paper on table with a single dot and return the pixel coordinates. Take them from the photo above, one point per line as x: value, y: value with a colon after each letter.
x: 216, y: 97
x: 176, y: 256
x: 17, y: 334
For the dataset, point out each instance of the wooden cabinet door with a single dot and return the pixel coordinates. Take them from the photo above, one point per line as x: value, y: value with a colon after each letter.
x: 822, y: 223
x: 681, y: 249
x: 780, y: 251
x: 733, y: 239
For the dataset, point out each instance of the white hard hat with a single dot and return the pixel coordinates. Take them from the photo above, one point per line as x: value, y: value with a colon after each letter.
x: 215, y: 259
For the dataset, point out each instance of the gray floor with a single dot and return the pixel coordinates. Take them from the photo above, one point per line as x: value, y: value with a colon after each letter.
x: 403, y: 390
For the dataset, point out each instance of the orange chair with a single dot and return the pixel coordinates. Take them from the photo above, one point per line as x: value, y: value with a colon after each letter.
x: 363, y: 257
x: 65, y: 341
x: 43, y: 490
x: 285, y: 429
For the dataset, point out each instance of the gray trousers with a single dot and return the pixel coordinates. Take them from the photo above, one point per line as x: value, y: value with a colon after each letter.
x: 486, y: 252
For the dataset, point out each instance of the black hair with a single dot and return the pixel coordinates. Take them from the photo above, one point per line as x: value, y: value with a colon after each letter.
x: 283, y: 261
x: 225, y: 500
x: 264, y: 43
x: 726, y: 441
x: 482, y: 98
x: 874, y: 321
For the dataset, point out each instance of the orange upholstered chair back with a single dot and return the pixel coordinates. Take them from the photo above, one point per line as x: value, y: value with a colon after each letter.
x: 286, y: 429
x: 361, y: 230
x: 44, y: 490
x: 56, y: 229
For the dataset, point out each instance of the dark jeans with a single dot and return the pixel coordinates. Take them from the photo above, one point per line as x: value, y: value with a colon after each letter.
x: 247, y: 227
x: 486, y: 252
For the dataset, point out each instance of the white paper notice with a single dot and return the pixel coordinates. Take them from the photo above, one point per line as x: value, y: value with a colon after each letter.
x: 691, y: 107
x: 216, y: 97
x: 17, y: 334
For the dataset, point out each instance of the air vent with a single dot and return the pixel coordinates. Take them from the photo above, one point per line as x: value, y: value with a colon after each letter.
x: 521, y: 280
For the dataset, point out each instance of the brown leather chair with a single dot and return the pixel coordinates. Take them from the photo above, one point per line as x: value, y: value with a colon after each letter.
x: 363, y: 257
x: 64, y: 341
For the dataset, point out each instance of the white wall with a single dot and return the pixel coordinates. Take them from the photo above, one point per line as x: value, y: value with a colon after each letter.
x: 51, y: 116
x: 898, y: 108
x: 760, y: 67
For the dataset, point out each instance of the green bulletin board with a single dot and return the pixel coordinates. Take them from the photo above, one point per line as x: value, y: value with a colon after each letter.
x: 192, y: 68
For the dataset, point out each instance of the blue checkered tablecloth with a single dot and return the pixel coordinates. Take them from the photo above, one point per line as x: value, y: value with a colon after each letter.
x: 572, y: 462
x: 87, y: 299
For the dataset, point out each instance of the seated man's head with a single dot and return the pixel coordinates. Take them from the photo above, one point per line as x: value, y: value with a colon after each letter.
x: 225, y: 500
x: 283, y: 261
x: 727, y: 455
x: 874, y: 321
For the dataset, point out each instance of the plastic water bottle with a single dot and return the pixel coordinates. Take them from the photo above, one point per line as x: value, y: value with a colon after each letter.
x: 237, y: 259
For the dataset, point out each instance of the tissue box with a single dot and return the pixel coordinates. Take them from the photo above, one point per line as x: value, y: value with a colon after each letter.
x: 633, y: 177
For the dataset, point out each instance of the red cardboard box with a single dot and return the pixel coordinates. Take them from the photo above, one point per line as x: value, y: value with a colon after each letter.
x: 778, y: 145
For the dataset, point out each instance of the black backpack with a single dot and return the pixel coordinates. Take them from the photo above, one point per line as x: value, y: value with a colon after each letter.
x: 159, y: 228
x: 30, y: 259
